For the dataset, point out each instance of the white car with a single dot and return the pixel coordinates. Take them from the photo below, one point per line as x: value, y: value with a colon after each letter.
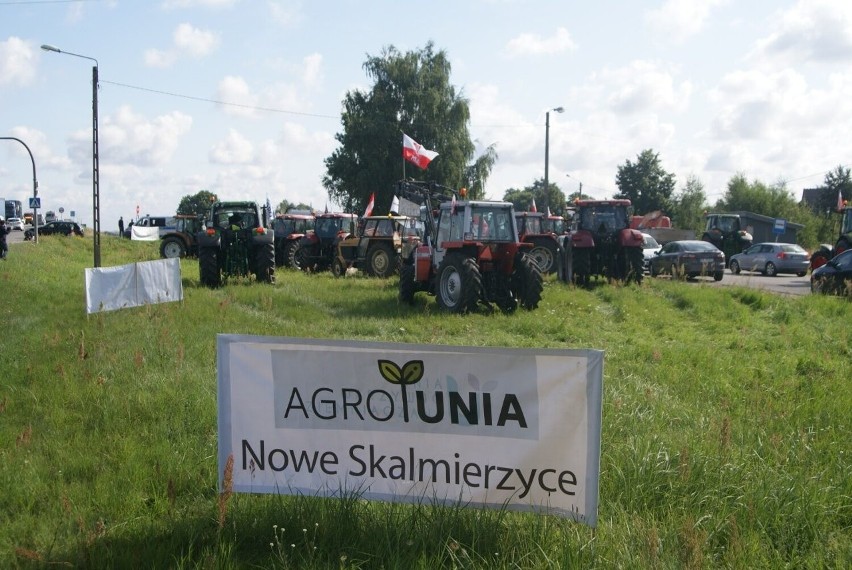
x: 650, y: 247
x: 15, y: 224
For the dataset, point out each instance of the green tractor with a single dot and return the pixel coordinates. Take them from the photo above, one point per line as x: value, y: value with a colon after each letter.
x: 727, y: 233
x: 235, y: 242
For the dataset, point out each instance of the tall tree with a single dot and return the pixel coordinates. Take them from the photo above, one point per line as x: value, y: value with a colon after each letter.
x: 688, y: 206
x: 286, y: 205
x: 522, y: 199
x: 837, y: 181
x: 197, y: 204
x: 411, y: 94
x: 645, y: 183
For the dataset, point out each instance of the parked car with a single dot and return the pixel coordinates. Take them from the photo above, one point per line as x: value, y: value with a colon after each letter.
x: 835, y: 276
x: 772, y: 259
x: 15, y: 224
x: 56, y: 227
x: 650, y: 247
x: 689, y: 258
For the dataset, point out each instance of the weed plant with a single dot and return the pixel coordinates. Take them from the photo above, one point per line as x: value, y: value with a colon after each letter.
x: 726, y: 426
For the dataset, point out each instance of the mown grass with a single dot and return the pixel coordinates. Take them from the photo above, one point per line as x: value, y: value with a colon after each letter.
x: 727, y: 423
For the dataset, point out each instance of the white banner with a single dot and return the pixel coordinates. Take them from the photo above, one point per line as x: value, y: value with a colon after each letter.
x: 144, y: 233
x: 132, y: 285
x: 489, y: 427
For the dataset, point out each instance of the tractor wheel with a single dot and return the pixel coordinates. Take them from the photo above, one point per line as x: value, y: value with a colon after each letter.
x: 208, y: 267
x: 172, y: 247
x: 544, y: 255
x: 407, y: 284
x: 337, y: 267
x: 290, y: 254
x: 636, y: 269
x: 526, y: 282
x: 582, y: 266
x: 300, y: 259
x: 459, y: 284
x: 380, y: 260
x: 264, y: 260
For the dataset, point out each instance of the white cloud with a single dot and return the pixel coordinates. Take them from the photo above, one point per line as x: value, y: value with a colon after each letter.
x: 286, y: 13
x: 186, y: 40
x: 127, y: 138
x: 235, y: 149
x: 182, y: 4
x: 533, y: 44
x: 235, y: 90
x: 678, y: 20
x: 197, y: 43
x: 17, y: 62
x: 812, y: 30
x: 312, y: 73
x: 638, y: 87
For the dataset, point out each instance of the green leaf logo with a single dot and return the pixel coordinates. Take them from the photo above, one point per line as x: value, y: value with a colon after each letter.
x: 410, y: 373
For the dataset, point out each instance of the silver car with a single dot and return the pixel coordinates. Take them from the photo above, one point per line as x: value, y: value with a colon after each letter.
x: 771, y: 259
x: 650, y: 247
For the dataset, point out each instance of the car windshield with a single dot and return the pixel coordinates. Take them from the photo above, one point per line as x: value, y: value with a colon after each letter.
x: 699, y: 246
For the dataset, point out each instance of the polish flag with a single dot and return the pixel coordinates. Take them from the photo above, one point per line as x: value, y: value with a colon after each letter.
x: 532, y: 206
x: 394, y: 206
x: 548, y: 212
x: 370, y: 204
x: 839, y: 201
x: 412, y: 151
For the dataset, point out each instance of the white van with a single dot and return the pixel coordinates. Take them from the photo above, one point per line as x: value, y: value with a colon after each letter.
x: 165, y: 224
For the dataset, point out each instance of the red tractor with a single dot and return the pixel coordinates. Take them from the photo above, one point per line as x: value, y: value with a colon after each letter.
x: 545, y: 250
x: 470, y: 255
x: 602, y: 243
x: 825, y: 252
x: 318, y: 247
x: 289, y: 228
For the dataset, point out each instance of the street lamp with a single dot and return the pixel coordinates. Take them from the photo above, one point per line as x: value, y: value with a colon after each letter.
x: 547, y: 151
x: 96, y: 199
x: 580, y: 182
x: 35, y: 182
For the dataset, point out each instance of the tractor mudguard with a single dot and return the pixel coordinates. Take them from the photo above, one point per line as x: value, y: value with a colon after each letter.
x: 206, y: 240
x: 630, y: 238
x: 423, y: 263
x: 582, y: 238
x: 262, y: 239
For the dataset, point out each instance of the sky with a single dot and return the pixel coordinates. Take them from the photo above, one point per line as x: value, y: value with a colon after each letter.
x: 243, y: 97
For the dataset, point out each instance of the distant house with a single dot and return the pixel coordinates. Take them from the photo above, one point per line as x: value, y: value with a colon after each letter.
x: 820, y: 200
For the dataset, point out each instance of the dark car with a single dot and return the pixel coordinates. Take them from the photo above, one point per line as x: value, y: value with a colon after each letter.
x: 771, y: 259
x: 689, y: 258
x: 835, y: 276
x: 56, y: 227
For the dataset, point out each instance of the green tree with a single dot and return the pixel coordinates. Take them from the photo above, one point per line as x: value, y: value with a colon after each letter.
x: 645, y: 183
x: 411, y: 94
x: 522, y: 199
x: 197, y: 204
x: 286, y: 206
x: 837, y: 181
x: 688, y: 206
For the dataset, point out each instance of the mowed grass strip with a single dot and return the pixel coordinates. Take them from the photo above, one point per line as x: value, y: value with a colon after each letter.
x: 726, y: 426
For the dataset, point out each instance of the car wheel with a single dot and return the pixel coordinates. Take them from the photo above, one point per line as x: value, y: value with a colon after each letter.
x: 770, y: 269
x: 801, y: 273
x: 735, y: 267
x: 718, y: 275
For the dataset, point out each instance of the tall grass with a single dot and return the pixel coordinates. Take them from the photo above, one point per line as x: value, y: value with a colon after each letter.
x: 726, y: 427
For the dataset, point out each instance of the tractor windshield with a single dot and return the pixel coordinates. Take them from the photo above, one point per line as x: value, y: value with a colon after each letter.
x: 490, y: 224
x: 603, y: 218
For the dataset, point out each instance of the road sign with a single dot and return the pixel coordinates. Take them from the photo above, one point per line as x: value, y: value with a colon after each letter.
x: 61, y: 210
x: 35, y: 203
x: 780, y: 226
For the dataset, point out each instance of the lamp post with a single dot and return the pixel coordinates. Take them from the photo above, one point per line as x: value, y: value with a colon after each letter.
x: 96, y: 199
x: 547, y: 152
x: 580, y: 182
x: 35, y: 182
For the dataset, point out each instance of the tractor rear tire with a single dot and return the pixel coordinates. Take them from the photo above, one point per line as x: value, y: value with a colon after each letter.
x: 636, y: 267
x: 264, y: 259
x: 407, y: 284
x: 172, y: 247
x: 337, y: 268
x: 290, y: 254
x: 527, y: 282
x: 381, y: 260
x: 459, y: 284
x: 544, y: 254
x: 208, y: 267
x: 582, y: 266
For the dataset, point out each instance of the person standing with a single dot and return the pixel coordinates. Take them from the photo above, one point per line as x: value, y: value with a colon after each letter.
x: 4, y: 247
x: 121, y: 226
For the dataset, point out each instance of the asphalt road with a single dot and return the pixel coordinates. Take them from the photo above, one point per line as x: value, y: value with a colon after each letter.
x: 782, y: 284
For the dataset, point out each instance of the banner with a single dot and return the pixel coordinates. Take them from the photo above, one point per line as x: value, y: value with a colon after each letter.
x: 486, y: 427
x: 132, y: 285
x: 144, y: 233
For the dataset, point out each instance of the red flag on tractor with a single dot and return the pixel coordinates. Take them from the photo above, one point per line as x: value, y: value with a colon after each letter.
x: 414, y: 152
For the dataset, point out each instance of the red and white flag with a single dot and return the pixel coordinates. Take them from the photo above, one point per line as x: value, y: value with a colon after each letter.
x: 532, y: 206
x: 839, y: 200
x: 414, y: 152
x: 370, y: 204
x: 548, y: 212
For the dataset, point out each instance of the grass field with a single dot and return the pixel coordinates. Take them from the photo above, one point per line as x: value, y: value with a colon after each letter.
x: 727, y: 427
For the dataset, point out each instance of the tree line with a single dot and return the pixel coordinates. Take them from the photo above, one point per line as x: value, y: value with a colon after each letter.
x: 411, y: 94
